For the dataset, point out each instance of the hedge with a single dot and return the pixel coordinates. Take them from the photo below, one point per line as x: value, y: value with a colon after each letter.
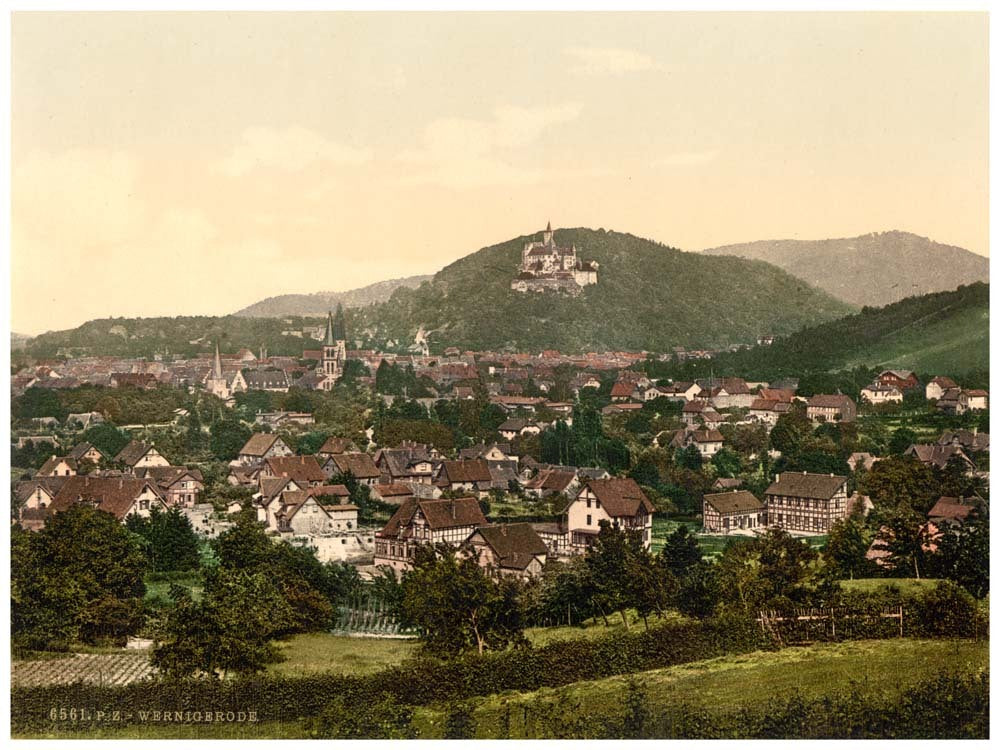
x: 419, y: 682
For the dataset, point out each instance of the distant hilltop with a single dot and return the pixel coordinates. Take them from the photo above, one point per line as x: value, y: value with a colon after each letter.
x: 873, y: 269
x: 320, y: 303
x: 546, y: 266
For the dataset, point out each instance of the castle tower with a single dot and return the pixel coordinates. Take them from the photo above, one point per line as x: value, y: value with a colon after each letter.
x: 334, y: 348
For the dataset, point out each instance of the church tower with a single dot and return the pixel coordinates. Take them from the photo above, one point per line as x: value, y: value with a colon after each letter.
x: 547, y: 235
x: 334, y: 348
x: 216, y: 382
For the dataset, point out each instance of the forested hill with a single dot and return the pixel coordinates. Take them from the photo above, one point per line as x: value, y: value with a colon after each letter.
x: 321, y: 302
x: 873, y: 269
x: 946, y: 333
x: 648, y: 296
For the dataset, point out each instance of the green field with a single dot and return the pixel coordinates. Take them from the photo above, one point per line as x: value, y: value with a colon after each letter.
x: 905, y: 585
x: 323, y: 652
x: 711, y: 544
x: 957, y: 343
x: 723, y: 684
x: 158, y: 585
x: 881, y: 668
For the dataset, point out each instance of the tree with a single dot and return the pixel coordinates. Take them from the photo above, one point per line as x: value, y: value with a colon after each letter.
x: 901, y: 482
x: 457, y: 606
x: 229, y: 630
x: 689, y: 458
x: 171, y: 542
x: 902, y: 438
x: 789, y: 431
x: 963, y: 554
x: 383, y: 717
x: 846, y: 548
x: 80, y: 577
x: 906, y: 537
x: 39, y: 402
x: 107, y: 438
x: 681, y: 551
x: 612, y: 561
x: 773, y: 570
x: 727, y: 463
x: 227, y: 437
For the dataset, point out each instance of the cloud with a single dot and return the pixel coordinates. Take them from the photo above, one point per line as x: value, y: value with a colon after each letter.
x: 463, y: 152
x: 687, y: 158
x: 291, y: 150
x: 610, y: 61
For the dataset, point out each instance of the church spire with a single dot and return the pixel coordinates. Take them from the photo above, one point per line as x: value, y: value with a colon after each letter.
x: 329, y: 340
x: 217, y: 371
x: 339, y: 327
x: 548, y: 228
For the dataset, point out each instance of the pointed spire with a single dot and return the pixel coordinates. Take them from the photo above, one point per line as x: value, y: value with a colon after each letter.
x: 339, y: 327
x: 328, y: 340
x: 548, y: 228
x: 217, y: 371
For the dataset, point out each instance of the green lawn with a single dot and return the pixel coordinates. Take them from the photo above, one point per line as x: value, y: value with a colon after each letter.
x: 725, y: 683
x: 324, y: 652
x: 158, y: 585
x: 711, y: 544
x: 905, y: 585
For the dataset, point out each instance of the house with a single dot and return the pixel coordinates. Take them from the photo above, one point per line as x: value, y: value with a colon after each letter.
x: 58, y: 466
x: 737, y: 510
x: 395, y: 493
x: 953, y: 511
x: 806, y: 503
x: 119, y: 496
x: 508, y: 549
x: 305, y: 471
x: 971, y: 441
x: 904, y: 380
x: 879, y: 393
x: 831, y: 408
x: 86, y: 452
x: 620, y: 502
x: 180, y: 487
x: 144, y: 380
x: 84, y: 420
x: 698, y: 412
x: 785, y: 395
x: 938, y: 456
x: 260, y: 446
x: 622, y: 391
x: 977, y: 399
x: 493, y: 452
x: 417, y: 522
x: 513, y: 428
x: 680, y: 391
x: 464, y: 476
x: 408, y: 463
x: 139, y: 455
x: 707, y: 441
x: 726, y: 393
x: 768, y: 410
x: 303, y: 514
x: 334, y: 446
x: 275, y: 381
x: 862, y: 461
x: 551, y: 482
x: 36, y: 495
x: 359, y: 465
x: 727, y: 483
x: 937, y: 386
x: 279, y: 418
x: 267, y: 499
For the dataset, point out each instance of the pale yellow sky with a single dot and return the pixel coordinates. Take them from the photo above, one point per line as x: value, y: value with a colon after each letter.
x: 194, y: 163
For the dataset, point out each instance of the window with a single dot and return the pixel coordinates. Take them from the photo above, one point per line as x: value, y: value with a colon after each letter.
x: 588, y: 503
x: 588, y: 519
x: 597, y: 503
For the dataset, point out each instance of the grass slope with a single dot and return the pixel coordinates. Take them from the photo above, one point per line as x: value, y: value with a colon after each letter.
x: 648, y: 296
x: 724, y: 684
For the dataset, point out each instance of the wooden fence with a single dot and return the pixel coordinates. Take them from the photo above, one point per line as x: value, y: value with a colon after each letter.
x: 805, y: 625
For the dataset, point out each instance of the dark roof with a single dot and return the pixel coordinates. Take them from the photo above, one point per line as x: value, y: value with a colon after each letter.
x: 132, y: 453
x: 951, y: 508
x: 938, y: 455
x: 82, y: 448
x: 114, y: 495
x: 737, y: 501
x: 165, y: 476
x: 440, y: 514
x: 514, y: 544
x: 707, y: 436
x: 468, y: 470
x: 337, y: 445
x: 258, y: 444
x: 264, y: 379
x: 620, y: 497
x: 301, y: 469
x: 360, y: 465
x: 793, y: 484
x: 829, y: 401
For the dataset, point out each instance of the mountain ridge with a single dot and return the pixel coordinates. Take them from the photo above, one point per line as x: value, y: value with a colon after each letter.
x: 855, y: 270
x: 318, y: 303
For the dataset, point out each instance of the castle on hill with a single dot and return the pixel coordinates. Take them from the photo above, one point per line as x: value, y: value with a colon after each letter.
x: 548, y: 266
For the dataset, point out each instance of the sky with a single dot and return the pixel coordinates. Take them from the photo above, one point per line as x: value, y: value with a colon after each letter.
x: 194, y: 163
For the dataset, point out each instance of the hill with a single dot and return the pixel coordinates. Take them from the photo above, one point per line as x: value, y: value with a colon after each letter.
x: 873, y: 269
x: 945, y: 333
x: 648, y: 296
x: 320, y: 302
